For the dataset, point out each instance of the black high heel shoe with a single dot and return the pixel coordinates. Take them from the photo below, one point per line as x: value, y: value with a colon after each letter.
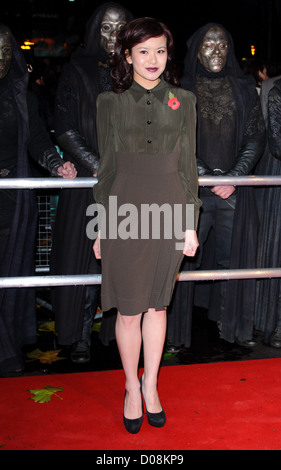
x: 154, y: 419
x: 132, y: 425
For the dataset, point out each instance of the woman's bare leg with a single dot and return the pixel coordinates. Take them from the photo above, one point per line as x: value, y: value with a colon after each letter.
x: 154, y: 333
x: 128, y: 337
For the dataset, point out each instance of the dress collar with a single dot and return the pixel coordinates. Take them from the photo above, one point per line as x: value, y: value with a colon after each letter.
x: 158, y: 91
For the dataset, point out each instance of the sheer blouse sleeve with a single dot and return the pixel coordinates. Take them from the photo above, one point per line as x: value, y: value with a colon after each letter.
x: 105, y: 133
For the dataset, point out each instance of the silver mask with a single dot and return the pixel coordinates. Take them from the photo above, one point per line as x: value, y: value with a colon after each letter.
x: 213, y: 50
x: 112, y: 22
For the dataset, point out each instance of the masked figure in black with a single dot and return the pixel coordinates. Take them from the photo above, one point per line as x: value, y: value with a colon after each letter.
x: 87, y: 74
x: 230, y: 141
x: 22, y: 133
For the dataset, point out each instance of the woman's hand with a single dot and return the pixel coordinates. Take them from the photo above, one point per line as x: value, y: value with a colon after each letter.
x: 67, y: 170
x: 96, y: 247
x: 191, y: 243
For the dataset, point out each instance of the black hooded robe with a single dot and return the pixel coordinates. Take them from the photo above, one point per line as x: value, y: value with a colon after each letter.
x: 238, y: 316
x: 17, y: 305
x: 268, y: 291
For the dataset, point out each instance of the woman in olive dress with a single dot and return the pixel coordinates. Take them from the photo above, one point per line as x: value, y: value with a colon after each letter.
x: 146, y: 135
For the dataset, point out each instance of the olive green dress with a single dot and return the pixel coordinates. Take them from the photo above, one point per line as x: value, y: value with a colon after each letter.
x: 147, y: 162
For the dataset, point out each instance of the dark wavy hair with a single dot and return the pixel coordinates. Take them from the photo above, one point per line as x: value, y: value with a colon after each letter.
x: 133, y: 33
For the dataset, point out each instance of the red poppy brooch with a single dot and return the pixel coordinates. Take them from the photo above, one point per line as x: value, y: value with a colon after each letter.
x: 173, y: 102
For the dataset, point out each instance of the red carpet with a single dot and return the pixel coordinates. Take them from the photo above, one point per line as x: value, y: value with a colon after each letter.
x: 224, y: 406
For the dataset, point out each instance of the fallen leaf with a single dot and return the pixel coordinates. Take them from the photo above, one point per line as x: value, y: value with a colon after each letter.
x: 167, y: 356
x: 44, y: 395
x: 96, y: 327
x: 47, y: 327
x: 46, y: 357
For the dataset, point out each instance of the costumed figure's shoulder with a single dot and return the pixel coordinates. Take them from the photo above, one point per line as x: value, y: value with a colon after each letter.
x: 69, y: 80
x: 246, y: 82
x: 183, y: 95
x: 69, y: 72
x: 245, y: 88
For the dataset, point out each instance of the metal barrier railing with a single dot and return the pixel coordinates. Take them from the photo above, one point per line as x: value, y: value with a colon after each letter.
x: 75, y: 280
x: 47, y: 183
x: 90, y: 279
